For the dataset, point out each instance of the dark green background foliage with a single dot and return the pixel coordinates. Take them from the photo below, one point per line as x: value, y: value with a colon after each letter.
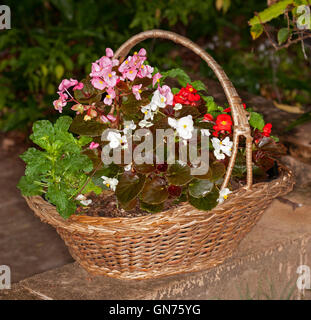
x: 53, y: 39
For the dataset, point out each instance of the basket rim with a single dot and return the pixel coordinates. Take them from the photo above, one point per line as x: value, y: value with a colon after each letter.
x: 183, y: 214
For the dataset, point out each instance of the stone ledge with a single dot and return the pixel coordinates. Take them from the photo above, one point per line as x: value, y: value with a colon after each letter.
x: 263, y: 267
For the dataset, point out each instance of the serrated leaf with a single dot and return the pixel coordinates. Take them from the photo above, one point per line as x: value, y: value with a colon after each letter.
x: 210, y: 104
x: 28, y: 188
x: 63, y: 123
x: 200, y: 188
x: 206, y: 203
x: 154, y: 191
x: 43, y: 133
x: 178, y: 175
x: 58, y: 197
x: 256, y: 120
x: 177, y: 73
x: 129, y: 187
x: 199, y: 85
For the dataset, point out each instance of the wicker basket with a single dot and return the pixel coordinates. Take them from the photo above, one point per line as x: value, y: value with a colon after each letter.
x: 179, y: 240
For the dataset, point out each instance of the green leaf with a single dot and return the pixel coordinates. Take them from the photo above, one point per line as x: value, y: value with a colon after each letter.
x: 58, y: 197
x: 271, y: 12
x: 154, y: 191
x: 37, y: 162
x: 256, y: 31
x: 107, y: 171
x: 210, y: 103
x: 187, y: 110
x: 256, y: 120
x: 92, y: 187
x: 206, y: 203
x: 28, y: 187
x: 178, y: 175
x: 88, y: 94
x: 283, y: 35
x: 90, y: 128
x: 43, y: 133
x: 152, y: 208
x: 199, y: 85
x: 180, y: 74
x: 218, y: 170
x: 129, y: 187
x: 200, y: 188
x: 63, y: 123
x: 84, y: 140
x: 76, y: 162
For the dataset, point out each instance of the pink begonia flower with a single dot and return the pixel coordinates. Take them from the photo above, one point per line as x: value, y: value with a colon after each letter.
x: 109, y: 53
x: 110, y: 78
x: 59, y: 104
x: 145, y: 71
x: 105, y: 63
x: 66, y: 84
x: 136, y: 91
x: 167, y: 93
x: 111, y: 117
x: 109, y: 97
x: 79, y: 86
x: 98, y: 83
x: 96, y: 71
x: 104, y: 119
x: 142, y: 52
x: 125, y: 65
x: 156, y: 78
x: 93, y: 145
x: 130, y: 74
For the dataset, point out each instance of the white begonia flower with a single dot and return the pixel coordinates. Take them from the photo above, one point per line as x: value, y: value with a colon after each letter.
x: 177, y: 106
x: 130, y: 125
x: 157, y: 101
x: 128, y: 167
x: 83, y: 200
x: 146, y: 110
x: 145, y: 124
x: 80, y: 197
x: 117, y: 140
x: 183, y: 126
x: 219, y: 155
x: 224, y: 146
x: 205, y: 132
x: 110, y: 182
x: 223, y: 195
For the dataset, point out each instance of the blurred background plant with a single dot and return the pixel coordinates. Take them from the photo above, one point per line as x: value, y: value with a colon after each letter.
x: 55, y: 39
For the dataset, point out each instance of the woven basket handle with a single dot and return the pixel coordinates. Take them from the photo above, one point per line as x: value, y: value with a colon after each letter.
x: 240, y: 127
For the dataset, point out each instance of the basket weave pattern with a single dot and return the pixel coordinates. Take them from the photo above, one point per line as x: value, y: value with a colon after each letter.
x: 182, y: 239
